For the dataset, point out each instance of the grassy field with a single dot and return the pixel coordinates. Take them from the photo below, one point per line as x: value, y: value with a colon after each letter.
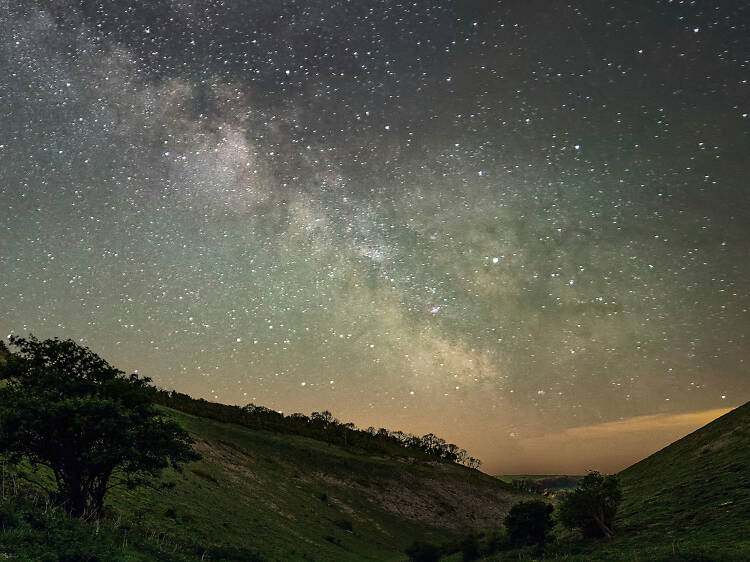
x: 258, y: 495
x: 689, y: 501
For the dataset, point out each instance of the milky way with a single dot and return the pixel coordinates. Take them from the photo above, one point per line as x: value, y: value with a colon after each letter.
x: 475, y: 218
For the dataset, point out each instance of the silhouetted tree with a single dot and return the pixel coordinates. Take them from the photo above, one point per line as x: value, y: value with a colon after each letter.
x: 383, y: 434
x: 63, y: 407
x: 451, y: 453
x: 592, y: 506
x: 322, y: 419
x: 529, y: 522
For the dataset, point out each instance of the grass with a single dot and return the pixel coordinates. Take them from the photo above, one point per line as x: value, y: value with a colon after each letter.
x: 31, y: 532
x: 258, y: 495
x: 689, y: 501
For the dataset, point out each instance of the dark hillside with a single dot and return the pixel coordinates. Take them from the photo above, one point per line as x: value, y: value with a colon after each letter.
x: 322, y: 426
x: 689, y: 501
x: 289, y: 497
x: 270, y: 487
x: 264, y: 495
x: 699, y: 483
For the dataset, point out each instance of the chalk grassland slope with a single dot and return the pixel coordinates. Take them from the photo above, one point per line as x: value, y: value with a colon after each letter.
x: 689, y: 501
x: 286, y: 497
x: 697, y: 487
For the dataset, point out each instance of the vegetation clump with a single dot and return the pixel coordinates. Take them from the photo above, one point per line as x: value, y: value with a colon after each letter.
x: 322, y: 426
x: 592, y: 506
x: 420, y: 551
x: 64, y: 408
x: 529, y: 522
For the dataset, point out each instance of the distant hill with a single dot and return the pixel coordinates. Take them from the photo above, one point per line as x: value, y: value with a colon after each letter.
x: 542, y: 483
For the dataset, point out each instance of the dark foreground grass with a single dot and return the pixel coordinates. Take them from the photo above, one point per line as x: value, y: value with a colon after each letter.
x: 36, y: 533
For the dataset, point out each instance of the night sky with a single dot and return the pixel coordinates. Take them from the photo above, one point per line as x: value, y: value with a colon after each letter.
x: 503, y: 222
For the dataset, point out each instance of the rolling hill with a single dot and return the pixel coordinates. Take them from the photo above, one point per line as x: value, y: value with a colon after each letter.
x: 271, y: 494
x: 696, y: 490
x: 262, y: 495
x: 286, y: 497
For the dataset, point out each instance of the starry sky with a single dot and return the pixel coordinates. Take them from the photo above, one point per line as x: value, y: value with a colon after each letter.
x: 503, y: 222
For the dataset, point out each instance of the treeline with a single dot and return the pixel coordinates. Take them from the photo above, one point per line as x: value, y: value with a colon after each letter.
x: 321, y: 426
x: 528, y: 485
x: 545, y: 486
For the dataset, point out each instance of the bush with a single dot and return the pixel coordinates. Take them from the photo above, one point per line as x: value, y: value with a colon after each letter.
x: 8, y: 516
x: 592, y: 506
x: 470, y: 548
x: 65, y: 408
x: 529, y: 522
x: 423, y: 552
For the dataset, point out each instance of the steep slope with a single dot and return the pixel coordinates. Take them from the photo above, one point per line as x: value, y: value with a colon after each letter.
x: 287, y: 498
x: 699, y: 485
x: 689, y: 501
x: 700, y: 479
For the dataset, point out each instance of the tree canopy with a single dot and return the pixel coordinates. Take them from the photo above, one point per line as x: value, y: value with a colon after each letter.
x: 529, y: 522
x: 592, y: 506
x: 65, y: 408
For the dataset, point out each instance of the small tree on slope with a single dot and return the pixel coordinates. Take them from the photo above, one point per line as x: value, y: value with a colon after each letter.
x: 592, y: 506
x: 65, y: 408
x: 529, y: 522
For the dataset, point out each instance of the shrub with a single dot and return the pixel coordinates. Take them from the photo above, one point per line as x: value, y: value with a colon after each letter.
x: 65, y: 408
x: 529, y: 522
x: 592, y: 506
x: 470, y: 548
x: 420, y: 551
x: 8, y: 516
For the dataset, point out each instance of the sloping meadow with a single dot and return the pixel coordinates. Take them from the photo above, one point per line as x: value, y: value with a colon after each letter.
x: 285, y: 497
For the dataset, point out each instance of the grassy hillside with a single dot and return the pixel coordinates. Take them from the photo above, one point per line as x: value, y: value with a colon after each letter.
x: 697, y: 488
x: 265, y: 495
x: 288, y: 497
x: 259, y: 495
x: 689, y: 501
